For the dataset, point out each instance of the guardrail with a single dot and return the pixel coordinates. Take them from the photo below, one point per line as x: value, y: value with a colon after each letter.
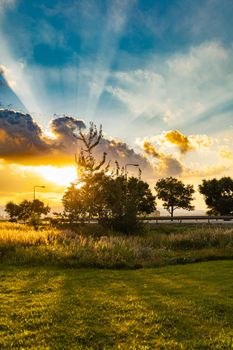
x: 157, y: 219
x: 187, y: 218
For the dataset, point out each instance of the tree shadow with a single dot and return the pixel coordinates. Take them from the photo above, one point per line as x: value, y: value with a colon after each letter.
x: 105, y: 309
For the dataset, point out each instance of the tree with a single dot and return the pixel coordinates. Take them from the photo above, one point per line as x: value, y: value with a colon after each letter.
x: 110, y: 197
x: 86, y: 162
x: 12, y: 210
x: 74, y: 204
x: 218, y: 195
x: 39, y: 208
x: 126, y: 199
x: 26, y: 210
x: 86, y: 200
x: 174, y: 194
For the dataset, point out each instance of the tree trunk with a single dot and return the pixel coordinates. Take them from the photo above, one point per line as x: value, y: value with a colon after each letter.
x: 172, y: 211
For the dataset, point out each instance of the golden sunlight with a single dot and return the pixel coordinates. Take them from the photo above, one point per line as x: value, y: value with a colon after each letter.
x: 61, y: 176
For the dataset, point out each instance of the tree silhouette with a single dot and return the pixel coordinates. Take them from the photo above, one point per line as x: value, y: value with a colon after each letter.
x: 218, y: 195
x: 86, y: 162
x: 26, y: 210
x: 87, y: 200
x: 126, y: 199
x: 12, y: 210
x: 174, y: 194
x: 108, y: 196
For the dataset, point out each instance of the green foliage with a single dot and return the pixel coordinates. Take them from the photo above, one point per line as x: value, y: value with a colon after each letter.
x: 218, y: 195
x: 174, y: 194
x: 175, y: 307
x: 116, y: 202
x: 112, y: 198
x: 27, y: 210
x: 74, y: 204
x: 86, y: 201
x: 91, y: 246
x: 126, y: 199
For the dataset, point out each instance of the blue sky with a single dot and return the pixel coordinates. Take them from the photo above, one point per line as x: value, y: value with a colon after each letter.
x: 73, y: 55
x: 140, y: 68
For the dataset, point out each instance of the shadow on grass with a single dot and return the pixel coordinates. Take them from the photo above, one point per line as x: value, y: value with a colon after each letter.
x: 166, y: 308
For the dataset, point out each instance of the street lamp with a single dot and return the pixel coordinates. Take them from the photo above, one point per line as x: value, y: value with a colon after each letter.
x: 129, y: 164
x: 34, y: 191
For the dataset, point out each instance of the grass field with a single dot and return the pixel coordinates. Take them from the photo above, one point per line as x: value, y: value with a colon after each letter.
x: 93, y: 246
x: 173, y: 307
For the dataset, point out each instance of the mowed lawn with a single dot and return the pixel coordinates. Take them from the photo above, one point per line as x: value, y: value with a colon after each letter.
x: 173, y: 307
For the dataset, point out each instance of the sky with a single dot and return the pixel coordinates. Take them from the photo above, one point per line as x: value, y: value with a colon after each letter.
x: 157, y: 74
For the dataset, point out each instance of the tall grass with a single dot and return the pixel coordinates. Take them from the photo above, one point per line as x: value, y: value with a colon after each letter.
x: 21, y: 244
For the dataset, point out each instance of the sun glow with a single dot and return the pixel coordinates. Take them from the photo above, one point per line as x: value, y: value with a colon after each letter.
x: 61, y: 176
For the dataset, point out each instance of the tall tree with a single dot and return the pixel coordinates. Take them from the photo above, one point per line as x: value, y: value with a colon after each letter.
x: 86, y: 200
x: 126, y: 199
x: 87, y: 164
x: 174, y: 194
x: 110, y: 197
x: 218, y: 195
x: 91, y: 172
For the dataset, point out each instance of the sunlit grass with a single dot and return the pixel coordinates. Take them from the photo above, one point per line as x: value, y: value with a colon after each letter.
x: 90, y: 247
x: 174, y: 307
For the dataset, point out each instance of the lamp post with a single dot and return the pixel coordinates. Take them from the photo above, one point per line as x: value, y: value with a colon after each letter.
x: 129, y: 164
x: 34, y: 191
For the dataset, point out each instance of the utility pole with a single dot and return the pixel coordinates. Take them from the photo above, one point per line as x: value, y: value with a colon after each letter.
x: 129, y: 164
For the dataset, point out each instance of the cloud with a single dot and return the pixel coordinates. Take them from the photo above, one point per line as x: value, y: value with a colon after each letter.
x: 184, y: 89
x: 205, y: 172
x: 226, y: 153
x: 22, y: 141
x: 200, y: 141
x: 65, y: 127
x: 182, y: 142
x: 167, y: 165
x: 4, y: 72
x: 4, y: 4
x: 20, y: 136
x: 186, y: 143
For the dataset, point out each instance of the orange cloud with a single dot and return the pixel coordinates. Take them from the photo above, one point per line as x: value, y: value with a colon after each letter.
x: 182, y: 142
x: 167, y: 165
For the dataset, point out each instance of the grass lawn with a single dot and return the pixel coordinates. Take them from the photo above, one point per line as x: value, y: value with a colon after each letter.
x: 172, y: 307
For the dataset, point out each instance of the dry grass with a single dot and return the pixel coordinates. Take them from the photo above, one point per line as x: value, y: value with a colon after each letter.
x: 23, y: 245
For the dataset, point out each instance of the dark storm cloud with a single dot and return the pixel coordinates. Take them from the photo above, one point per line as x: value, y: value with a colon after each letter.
x: 23, y: 141
x: 65, y: 127
x: 19, y: 135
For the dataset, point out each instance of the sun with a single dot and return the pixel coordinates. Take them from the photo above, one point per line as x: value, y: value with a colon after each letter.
x: 61, y: 176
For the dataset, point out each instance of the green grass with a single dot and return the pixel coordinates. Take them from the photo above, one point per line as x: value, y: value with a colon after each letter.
x: 173, y: 307
x: 22, y: 245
